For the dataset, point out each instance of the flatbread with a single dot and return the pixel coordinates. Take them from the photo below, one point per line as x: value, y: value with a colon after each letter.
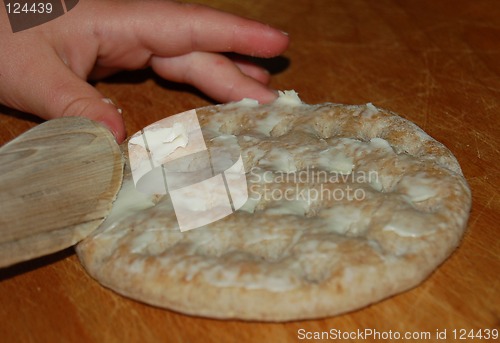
x: 301, y: 255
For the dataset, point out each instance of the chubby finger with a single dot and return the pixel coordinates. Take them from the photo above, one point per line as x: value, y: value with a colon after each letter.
x: 168, y: 29
x: 215, y: 75
x: 193, y: 27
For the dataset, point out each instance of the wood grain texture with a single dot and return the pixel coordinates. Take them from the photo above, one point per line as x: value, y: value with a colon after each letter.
x: 436, y: 63
x: 57, y: 184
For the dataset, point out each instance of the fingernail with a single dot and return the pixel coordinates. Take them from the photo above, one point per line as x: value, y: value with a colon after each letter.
x: 285, y: 33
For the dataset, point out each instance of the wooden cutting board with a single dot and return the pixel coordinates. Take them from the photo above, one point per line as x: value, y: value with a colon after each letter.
x: 437, y: 63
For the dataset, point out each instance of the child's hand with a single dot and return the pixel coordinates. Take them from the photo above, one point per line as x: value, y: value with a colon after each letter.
x: 43, y: 70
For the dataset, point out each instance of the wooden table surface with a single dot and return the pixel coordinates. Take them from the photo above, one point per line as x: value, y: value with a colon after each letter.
x: 436, y: 63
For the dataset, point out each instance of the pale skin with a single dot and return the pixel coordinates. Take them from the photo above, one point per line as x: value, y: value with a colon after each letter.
x: 44, y: 70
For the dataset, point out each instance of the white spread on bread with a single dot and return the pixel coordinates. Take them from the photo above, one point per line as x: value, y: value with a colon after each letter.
x: 164, y: 141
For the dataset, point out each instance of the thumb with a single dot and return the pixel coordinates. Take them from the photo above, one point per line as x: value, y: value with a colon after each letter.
x: 77, y: 98
x: 50, y: 89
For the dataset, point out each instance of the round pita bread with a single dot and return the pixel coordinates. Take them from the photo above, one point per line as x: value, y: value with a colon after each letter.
x: 332, y: 241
